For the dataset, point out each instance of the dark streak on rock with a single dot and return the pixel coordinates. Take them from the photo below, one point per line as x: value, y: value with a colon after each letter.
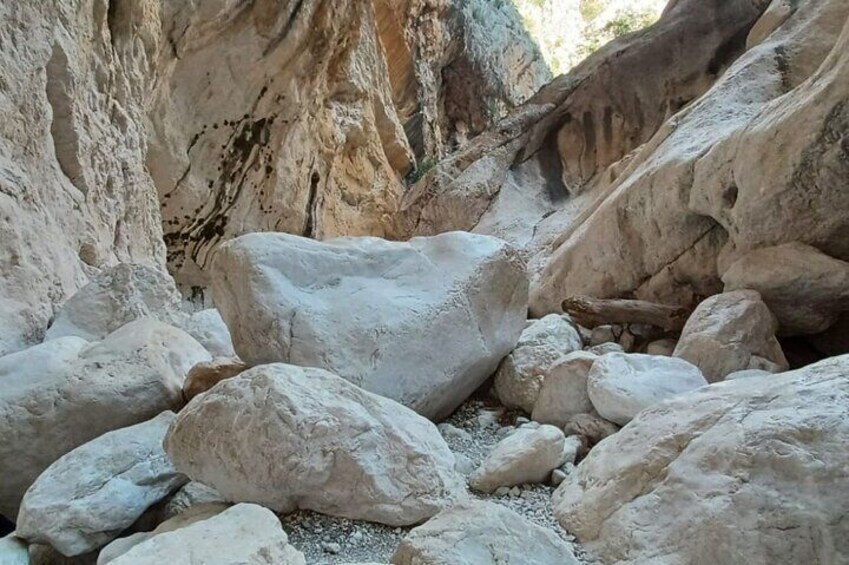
x: 287, y: 27
x: 310, y: 226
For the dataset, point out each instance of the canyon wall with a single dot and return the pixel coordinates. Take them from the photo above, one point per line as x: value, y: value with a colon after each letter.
x: 151, y: 131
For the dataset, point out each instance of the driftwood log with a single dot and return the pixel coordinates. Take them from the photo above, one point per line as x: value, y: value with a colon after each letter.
x: 593, y: 312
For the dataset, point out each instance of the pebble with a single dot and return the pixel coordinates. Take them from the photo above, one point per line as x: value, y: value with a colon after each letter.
x: 333, y: 548
x: 557, y: 477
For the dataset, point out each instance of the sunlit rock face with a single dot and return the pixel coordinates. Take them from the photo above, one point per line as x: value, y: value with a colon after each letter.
x: 149, y: 132
x: 569, y: 30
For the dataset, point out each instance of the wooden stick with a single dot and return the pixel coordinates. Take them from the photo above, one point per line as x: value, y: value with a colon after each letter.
x: 592, y: 312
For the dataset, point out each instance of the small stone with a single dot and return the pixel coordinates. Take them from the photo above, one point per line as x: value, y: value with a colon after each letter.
x: 521, y: 374
x: 450, y: 432
x: 527, y: 456
x: 605, y: 348
x: 557, y: 477
x: 662, y: 347
x: 333, y: 548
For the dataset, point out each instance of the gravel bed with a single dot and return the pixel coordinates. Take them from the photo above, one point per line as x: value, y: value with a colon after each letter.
x: 471, y: 433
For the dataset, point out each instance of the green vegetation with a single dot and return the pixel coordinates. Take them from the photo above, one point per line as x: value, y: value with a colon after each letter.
x: 629, y: 22
x: 590, y: 9
x: 625, y: 22
x: 421, y: 170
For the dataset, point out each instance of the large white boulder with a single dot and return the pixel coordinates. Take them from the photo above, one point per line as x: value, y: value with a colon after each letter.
x: 730, y: 332
x: 475, y: 532
x: 244, y: 533
x: 745, y: 471
x: 115, y: 297
x: 521, y: 374
x: 89, y: 495
x: 526, y: 456
x: 620, y: 385
x: 290, y: 437
x: 129, y: 377
x: 424, y: 322
x: 564, y: 390
x: 806, y: 289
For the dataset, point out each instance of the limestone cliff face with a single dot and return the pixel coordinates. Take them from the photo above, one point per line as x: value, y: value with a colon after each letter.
x: 757, y: 161
x: 298, y: 116
x: 74, y: 193
x: 656, y: 164
x: 548, y: 159
x: 132, y: 123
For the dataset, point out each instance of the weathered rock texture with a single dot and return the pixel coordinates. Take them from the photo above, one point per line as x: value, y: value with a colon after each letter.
x: 564, y: 390
x: 74, y: 193
x: 730, y: 332
x: 245, y: 533
x: 751, y: 470
x: 89, y: 495
x: 539, y: 162
x: 481, y: 533
x: 124, y: 120
x: 759, y: 160
x: 424, y: 322
x: 528, y: 455
x: 129, y: 377
x: 115, y: 297
x: 290, y: 437
x: 648, y: 170
x: 522, y: 373
x: 806, y: 290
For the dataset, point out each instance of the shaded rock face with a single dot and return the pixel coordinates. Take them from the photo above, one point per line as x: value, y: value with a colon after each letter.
x: 739, y: 471
x: 731, y: 332
x: 649, y: 170
x: 757, y: 161
x: 71, y: 506
x: 74, y: 194
x: 134, y: 120
x: 577, y: 126
x: 84, y: 391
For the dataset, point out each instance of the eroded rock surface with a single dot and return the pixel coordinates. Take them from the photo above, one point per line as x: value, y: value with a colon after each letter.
x: 244, y: 533
x: 133, y: 121
x: 521, y: 375
x: 743, y: 470
x: 806, y: 289
x: 129, y: 377
x: 291, y: 437
x: 528, y: 455
x: 731, y: 332
x: 89, y: 495
x: 564, y: 390
x: 477, y: 532
x: 424, y: 322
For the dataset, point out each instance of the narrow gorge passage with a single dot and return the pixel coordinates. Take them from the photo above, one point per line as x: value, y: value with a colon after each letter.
x: 424, y: 282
